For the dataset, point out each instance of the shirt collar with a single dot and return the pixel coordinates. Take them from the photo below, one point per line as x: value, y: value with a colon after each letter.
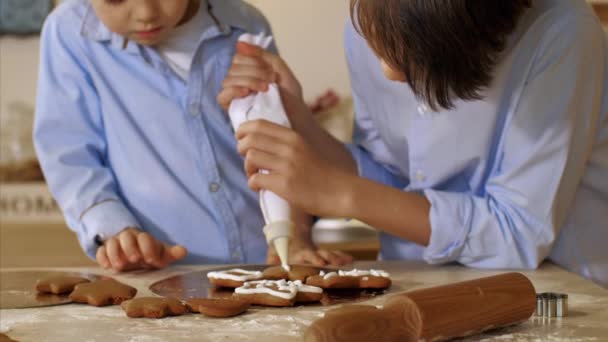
x: 228, y: 13
x: 232, y: 14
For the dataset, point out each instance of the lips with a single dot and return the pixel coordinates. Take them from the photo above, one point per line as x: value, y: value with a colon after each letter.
x: 149, y: 33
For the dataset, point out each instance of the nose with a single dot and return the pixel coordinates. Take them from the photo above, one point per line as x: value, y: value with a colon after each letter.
x: 146, y: 11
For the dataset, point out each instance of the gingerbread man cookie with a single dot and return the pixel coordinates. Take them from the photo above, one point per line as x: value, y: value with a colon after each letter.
x: 153, y: 307
x: 233, y: 278
x: 59, y: 284
x: 355, y: 279
x: 218, y: 307
x: 102, y: 293
x: 278, y: 292
x: 295, y: 272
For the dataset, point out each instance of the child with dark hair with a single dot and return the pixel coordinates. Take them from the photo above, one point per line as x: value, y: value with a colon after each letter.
x: 481, y: 133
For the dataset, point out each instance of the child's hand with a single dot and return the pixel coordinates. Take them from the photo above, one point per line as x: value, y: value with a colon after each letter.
x: 133, y: 249
x: 298, y: 173
x: 252, y: 70
x: 309, y: 254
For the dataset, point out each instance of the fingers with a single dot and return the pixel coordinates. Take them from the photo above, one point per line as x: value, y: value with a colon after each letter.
x: 118, y: 260
x: 247, y: 82
x: 345, y: 257
x: 259, y: 160
x: 310, y: 257
x: 259, y: 181
x: 227, y: 95
x: 261, y: 142
x: 260, y: 73
x: 280, y: 133
x: 172, y: 254
x: 128, y: 244
x: 102, y: 257
x: 335, y: 258
x: 249, y: 49
x: 150, y: 250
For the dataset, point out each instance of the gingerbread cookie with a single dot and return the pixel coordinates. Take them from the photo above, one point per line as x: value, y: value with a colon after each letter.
x: 153, y: 307
x: 218, y: 307
x: 355, y: 279
x: 233, y: 278
x: 295, y: 272
x: 59, y: 284
x: 278, y: 292
x: 102, y: 293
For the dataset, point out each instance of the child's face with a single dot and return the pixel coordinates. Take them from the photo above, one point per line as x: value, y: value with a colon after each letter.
x: 146, y: 22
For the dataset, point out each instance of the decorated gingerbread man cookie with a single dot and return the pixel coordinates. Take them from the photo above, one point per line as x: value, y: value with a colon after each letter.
x: 295, y: 272
x: 354, y: 279
x: 278, y: 293
x: 233, y: 278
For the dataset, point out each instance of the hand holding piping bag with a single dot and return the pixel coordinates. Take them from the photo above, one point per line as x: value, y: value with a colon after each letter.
x: 279, y: 229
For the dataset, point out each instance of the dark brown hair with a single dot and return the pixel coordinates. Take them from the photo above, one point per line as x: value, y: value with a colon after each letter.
x: 446, y: 49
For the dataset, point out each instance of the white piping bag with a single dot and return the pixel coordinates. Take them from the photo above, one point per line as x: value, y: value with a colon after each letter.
x: 279, y: 228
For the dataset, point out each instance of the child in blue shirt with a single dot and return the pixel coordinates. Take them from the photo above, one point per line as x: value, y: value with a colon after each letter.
x: 481, y: 133
x: 132, y: 142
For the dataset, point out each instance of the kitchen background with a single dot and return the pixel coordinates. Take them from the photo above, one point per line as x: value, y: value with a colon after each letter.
x: 32, y: 232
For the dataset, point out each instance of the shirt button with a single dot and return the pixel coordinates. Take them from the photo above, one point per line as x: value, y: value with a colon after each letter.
x: 193, y: 110
x: 214, y: 187
x: 420, y: 176
x: 422, y: 109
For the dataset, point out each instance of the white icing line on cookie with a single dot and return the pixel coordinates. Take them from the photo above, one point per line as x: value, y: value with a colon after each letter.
x: 355, y: 273
x: 241, y: 275
x: 277, y: 288
x: 306, y: 288
x: 362, y: 273
x: 330, y: 275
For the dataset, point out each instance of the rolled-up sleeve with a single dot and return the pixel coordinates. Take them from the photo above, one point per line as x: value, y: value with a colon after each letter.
x: 540, y: 160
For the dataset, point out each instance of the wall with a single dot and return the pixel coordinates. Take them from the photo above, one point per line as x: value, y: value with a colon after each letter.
x: 309, y: 35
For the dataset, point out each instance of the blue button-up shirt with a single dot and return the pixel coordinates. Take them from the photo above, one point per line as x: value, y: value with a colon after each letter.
x: 124, y: 141
x: 516, y: 177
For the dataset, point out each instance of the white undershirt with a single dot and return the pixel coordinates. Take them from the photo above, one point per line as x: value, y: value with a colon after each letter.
x: 181, y: 44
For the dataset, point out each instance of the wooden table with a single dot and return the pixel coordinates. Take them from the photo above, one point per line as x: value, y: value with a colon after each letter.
x: 588, y: 319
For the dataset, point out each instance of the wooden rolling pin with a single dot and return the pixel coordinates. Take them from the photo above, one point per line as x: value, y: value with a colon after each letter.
x: 434, y: 314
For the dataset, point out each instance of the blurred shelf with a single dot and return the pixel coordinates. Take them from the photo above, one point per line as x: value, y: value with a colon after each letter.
x: 28, y: 203
x: 350, y: 236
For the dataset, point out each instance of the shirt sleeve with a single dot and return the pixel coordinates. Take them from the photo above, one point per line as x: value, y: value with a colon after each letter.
x: 70, y: 141
x: 542, y: 155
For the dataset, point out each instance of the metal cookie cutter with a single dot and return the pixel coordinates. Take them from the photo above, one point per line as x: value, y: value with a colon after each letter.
x: 551, y: 305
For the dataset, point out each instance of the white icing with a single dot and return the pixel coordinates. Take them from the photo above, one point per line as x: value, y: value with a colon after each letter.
x: 330, y: 275
x: 241, y: 275
x: 306, y: 288
x: 278, y: 288
x: 356, y: 273
x: 361, y: 273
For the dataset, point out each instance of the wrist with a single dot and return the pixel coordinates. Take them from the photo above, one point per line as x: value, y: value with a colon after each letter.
x: 345, y: 195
